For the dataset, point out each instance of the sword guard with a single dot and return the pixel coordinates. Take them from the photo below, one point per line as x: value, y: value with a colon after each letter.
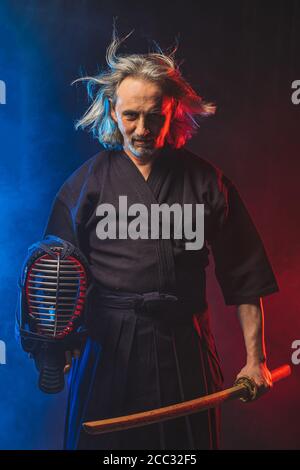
x: 250, y: 388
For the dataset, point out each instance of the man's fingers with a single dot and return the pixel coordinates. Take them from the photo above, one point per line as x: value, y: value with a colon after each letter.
x: 263, y: 385
x: 76, y: 353
x: 68, y: 356
x: 264, y: 382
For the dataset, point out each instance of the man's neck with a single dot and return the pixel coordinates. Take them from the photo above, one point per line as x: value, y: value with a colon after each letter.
x: 144, y: 164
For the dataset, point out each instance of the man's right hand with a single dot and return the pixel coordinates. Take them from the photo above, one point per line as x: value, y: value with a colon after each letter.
x: 69, y: 356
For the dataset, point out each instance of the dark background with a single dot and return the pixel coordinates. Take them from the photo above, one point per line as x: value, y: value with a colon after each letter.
x: 243, y: 55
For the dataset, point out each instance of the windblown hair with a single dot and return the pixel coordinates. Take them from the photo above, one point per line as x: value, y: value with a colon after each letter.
x: 156, y: 67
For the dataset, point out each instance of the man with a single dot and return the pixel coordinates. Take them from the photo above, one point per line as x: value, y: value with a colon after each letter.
x: 149, y: 342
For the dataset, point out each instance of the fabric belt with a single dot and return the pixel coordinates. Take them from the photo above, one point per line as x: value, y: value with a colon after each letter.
x: 155, y: 305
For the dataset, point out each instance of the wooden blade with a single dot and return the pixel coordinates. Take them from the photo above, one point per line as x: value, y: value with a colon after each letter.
x: 243, y: 389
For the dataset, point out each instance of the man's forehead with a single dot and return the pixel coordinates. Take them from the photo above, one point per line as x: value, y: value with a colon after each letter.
x: 138, y: 92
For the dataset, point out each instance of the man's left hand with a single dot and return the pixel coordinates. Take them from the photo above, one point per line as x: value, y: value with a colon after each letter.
x: 260, y: 374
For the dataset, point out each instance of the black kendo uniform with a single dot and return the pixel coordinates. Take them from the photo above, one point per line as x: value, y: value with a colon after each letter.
x: 149, y: 342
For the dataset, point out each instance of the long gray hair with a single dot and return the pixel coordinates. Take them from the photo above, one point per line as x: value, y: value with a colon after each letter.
x: 156, y: 67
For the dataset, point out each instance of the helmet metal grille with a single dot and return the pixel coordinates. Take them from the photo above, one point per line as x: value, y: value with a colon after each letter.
x: 55, y: 291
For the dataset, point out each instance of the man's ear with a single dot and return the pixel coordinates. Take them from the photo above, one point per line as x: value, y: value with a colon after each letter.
x: 112, y: 111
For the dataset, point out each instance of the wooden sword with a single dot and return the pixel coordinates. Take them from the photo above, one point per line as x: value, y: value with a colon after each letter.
x: 244, y: 388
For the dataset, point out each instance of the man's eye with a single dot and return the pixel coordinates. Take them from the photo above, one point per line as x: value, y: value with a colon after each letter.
x: 130, y: 116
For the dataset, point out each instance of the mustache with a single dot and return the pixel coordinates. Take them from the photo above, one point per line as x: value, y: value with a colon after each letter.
x: 143, y: 139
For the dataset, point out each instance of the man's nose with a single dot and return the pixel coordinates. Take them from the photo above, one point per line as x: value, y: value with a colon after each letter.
x: 142, y: 128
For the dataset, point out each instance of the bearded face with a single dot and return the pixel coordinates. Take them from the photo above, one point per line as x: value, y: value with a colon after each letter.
x: 143, y: 116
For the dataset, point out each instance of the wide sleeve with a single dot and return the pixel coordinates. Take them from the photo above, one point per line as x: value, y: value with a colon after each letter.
x: 242, y: 266
x: 61, y: 222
